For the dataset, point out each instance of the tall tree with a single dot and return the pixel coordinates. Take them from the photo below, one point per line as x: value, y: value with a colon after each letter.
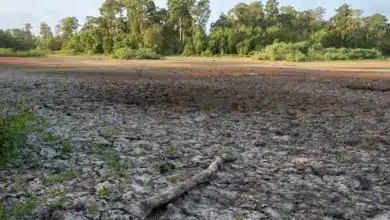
x: 201, y: 13
x: 46, y: 39
x: 67, y: 27
x: 272, y: 13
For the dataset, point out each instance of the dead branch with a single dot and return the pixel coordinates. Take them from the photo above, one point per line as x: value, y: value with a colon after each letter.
x: 170, y: 194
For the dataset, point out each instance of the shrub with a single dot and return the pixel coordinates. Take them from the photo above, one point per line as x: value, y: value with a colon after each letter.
x: 130, y: 54
x: 6, y: 52
x: 207, y: 53
x: 13, y: 130
x: 303, y: 51
x: 188, y: 50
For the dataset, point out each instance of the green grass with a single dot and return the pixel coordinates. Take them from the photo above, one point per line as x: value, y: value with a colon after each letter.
x: 61, y: 178
x: 172, y: 179
x: 149, y: 183
x: 106, y: 192
x: 65, y: 146
x: 171, y: 149
x: 50, y: 138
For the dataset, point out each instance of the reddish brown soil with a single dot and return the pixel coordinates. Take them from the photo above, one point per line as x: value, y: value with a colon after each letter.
x: 199, y: 67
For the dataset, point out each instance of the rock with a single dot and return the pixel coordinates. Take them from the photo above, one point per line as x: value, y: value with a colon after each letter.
x: 36, y: 184
x: 282, y: 138
x: 101, y: 186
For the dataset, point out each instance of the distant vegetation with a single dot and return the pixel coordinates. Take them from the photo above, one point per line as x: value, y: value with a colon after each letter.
x: 140, y: 30
x: 8, y: 52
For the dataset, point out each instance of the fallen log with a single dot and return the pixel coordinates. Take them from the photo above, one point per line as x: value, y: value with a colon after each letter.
x: 172, y: 193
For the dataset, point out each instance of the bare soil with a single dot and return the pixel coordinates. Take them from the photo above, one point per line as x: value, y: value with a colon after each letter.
x: 312, y: 140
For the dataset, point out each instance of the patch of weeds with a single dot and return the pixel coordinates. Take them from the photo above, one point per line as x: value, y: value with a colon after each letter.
x: 96, y: 148
x: 13, y: 131
x: 20, y: 209
x: 108, y: 156
x: 16, y: 184
x: 149, y: 183
x: 65, y: 146
x: 224, y: 150
x: 92, y: 210
x: 172, y: 179
x: 50, y: 138
x: 59, y: 179
x: 114, y: 132
x: 141, y: 154
x: 282, y: 214
x: 238, y: 216
x: 55, y: 192
x: 110, y: 173
x: 104, y: 123
x: 171, y: 149
x: 115, y: 162
x: 58, y: 205
x: 106, y: 192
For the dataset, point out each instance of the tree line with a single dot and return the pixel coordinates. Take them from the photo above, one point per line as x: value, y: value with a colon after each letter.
x: 181, y: 28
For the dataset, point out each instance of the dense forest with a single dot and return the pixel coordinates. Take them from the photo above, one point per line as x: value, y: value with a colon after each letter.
x: 126, y: 28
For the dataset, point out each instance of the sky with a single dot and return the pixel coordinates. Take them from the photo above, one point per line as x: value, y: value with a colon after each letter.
x: 15, y: 13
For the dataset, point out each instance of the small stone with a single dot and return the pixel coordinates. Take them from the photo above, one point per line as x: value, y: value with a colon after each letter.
x: 282, y: 138
x: 36, y: 184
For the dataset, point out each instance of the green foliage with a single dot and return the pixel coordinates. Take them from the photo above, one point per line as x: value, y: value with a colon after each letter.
x: 238, y: 216
x: 50, y: 138
x: 65, y: 146
x: 224, y: 150
x: 16, y: 184
x: 172, y: 179
x: 303, y: 51
x: 61, y: 178
x: 13, y: 132
x: 54, y: 192
x: 106, y: 192
x: 171, y: 149
x: 20, y: 209
x: 92, y: 210
x: 189, y: 49
x: 130, y: 54
x: 149, y: 183
x: 7, y: 52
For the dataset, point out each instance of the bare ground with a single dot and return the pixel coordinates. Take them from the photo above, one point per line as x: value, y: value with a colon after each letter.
x: 311, y: 143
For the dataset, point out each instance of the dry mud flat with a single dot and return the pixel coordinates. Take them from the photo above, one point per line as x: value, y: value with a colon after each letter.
x: 306, y: 149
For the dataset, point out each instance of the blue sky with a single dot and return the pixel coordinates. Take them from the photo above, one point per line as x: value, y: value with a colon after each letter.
x: 14, y: 13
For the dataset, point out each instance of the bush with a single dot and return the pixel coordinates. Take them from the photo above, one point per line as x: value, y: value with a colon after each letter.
x: 285, y: 51
x: 130, y: 54
x: 6, y: 52
x: 188, y: 50
x: 207, y: 53
x: 13, y: 131
x: 303, y: 51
